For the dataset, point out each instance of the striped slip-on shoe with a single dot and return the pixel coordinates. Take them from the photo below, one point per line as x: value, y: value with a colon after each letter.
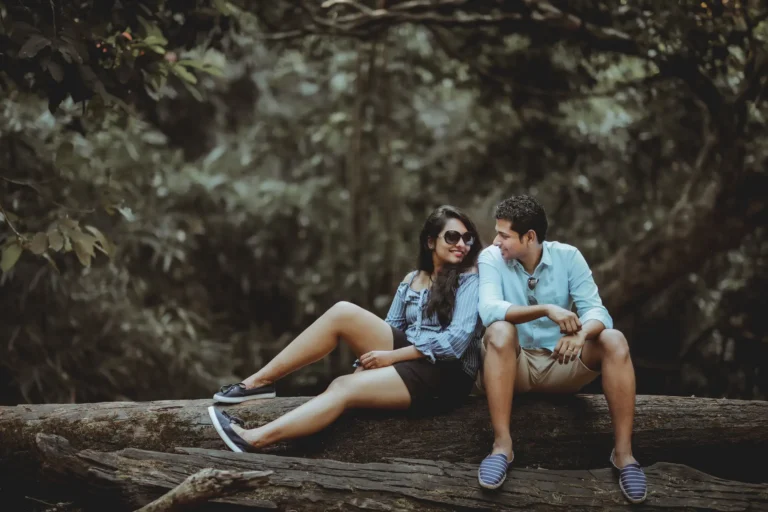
x: 632, y: 481
x: 493, y: 470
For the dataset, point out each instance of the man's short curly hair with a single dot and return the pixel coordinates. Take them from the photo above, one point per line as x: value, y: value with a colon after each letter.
x: 524, y: 214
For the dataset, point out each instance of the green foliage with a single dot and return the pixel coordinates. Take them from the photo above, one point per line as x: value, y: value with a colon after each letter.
x: 263, y: 181
x: 117, y: 50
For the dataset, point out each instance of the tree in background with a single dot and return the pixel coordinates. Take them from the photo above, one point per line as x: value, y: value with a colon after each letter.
x: 247, y: 203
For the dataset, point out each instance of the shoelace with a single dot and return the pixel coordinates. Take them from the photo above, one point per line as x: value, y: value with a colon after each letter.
x: 233, y: 419
x: 226, y: 388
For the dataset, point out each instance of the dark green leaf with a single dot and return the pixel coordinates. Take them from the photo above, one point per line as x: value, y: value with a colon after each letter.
x: 33, y: 45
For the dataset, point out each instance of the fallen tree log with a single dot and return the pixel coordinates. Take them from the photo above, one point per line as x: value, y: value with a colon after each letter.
x: 137, y: 477
x: 552, y: 432
x: 716, y: 436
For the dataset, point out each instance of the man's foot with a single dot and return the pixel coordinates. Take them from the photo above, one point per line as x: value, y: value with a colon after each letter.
x: 493, y: 470
x: 632, y: 480
x: 237, y: 393
x: 224, y: 425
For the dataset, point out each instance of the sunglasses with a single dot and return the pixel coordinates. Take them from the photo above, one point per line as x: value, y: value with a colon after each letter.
x: 453, y: 237
x: 532, y: 282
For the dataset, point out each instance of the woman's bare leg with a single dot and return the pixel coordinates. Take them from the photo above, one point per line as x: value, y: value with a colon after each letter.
x: 381, y: 388
x: 361, y: 329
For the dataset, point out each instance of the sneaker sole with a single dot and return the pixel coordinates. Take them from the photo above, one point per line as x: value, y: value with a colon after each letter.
x: 239, y: 400
x: 224, y: 437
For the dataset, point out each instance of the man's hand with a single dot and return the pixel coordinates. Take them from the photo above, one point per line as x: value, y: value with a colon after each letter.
x: 377, y: 359
x: 568, y: 347
x: 567, y: 320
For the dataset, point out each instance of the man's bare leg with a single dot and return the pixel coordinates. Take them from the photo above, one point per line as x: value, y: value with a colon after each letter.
x: 499, y: 371
x: 610, y: 354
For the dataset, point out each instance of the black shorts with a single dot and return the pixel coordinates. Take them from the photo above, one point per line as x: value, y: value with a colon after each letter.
x: 443, y: 381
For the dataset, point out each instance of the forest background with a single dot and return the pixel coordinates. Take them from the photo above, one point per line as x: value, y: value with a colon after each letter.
x: 185, y: 186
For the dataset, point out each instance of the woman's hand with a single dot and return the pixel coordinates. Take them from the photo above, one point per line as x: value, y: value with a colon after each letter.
x: 377, y: 359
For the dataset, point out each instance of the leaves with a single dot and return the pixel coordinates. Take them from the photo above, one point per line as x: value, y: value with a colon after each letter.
x: 9, y: 255
x: 83, y: 246
x: 202, y: 66
x: 39, y: 244
x: 56, y: 240
x: 106, y: 245
x: 33, y: 45
x: 183, y: 73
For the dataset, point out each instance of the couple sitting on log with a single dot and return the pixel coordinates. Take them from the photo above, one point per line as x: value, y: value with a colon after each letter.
x: 496, y: 321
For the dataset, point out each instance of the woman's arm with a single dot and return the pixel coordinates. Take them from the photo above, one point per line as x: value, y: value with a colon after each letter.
x: 396, y: 315
x: 382, y: 358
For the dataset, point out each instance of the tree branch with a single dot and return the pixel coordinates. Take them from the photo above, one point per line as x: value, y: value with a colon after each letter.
x: 204, y: 486
x: 449, y: 49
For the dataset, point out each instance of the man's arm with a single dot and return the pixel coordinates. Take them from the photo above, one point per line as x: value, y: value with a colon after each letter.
x: 583, y: 290
x: 493, y: 308
x: 523, y: 314
x: 491, y: 304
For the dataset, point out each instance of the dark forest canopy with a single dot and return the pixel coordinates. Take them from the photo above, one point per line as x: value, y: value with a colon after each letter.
x: 184, y: 187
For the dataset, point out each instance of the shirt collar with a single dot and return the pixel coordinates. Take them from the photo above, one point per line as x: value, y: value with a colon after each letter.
x: 546, y: 258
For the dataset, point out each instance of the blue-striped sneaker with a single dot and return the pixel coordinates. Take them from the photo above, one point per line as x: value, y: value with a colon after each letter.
x: 632, y: 481
x: 493, y: 470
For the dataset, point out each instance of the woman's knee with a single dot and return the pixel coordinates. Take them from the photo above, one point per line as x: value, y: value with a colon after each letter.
x: 341, y: 386
x: 613, y: 344
x: 501, y: 336
x: 343, y: 310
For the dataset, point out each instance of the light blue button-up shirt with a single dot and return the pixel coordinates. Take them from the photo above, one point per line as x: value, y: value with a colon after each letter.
x: 458, y: 340
x: 564, y: 279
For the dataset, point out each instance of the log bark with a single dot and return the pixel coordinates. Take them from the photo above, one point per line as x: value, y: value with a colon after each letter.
x: 721, y: 437
x: 136, y: 477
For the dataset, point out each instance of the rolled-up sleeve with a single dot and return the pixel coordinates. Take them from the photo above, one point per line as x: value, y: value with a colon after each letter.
x: 584, y: 292
x: 452, y: 342
x: 491, y: 306
x: 396, y: 315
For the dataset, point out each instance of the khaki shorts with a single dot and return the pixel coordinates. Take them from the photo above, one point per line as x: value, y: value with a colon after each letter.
x: 539, y: 372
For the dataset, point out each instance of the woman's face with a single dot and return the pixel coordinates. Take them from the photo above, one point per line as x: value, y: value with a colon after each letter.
x: 451, y: 251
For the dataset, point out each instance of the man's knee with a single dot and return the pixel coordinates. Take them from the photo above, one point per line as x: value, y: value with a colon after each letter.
x: 501, y: 336
x: 613, y: 344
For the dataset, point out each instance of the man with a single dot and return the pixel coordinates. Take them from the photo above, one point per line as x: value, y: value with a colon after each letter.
x: 534, y: 342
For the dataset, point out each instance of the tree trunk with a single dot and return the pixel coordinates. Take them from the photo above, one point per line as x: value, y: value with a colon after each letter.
x: 137, y: 477
x: 721, y: 437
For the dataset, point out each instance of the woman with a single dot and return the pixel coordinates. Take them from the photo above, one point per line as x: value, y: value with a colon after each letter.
x: 428, y: 346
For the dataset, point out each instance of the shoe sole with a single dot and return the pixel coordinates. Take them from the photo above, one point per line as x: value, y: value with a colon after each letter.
x: 239, y: 400
x: 224, y: 437
x: 487, y: 486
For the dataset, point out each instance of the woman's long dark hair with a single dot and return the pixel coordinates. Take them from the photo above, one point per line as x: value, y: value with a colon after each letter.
x: 442, y: 298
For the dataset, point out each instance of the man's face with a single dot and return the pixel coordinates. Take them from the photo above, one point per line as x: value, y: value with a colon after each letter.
x: 508, y: 241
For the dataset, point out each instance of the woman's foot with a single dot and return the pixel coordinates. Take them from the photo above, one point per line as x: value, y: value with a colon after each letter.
x: 225, y: 426
x: 237, y: 393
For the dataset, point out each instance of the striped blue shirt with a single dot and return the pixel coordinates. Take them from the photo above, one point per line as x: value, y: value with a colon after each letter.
x: 564, y: 279
x: 459, y: 340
